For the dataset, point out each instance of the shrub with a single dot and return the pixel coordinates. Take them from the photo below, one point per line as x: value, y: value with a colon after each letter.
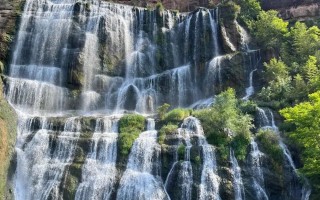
x: 176, y: 115
x: 269, y: 141
x: 162, y: 110
x: 131, y: 122
x: 224, y: 122
x: 181, y: 151
x: 240, y: 143
x: 130, y: 126
x: 166, y: 130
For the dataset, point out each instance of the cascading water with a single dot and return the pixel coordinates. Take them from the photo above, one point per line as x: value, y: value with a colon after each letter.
x: 141, y: 180
x: 256, y: 171
x: 41, y: 162
x: 76, y: 61
x: 191, y: 136
x: 102, y: 158
x: 296, y: 192
x: 237, y: 179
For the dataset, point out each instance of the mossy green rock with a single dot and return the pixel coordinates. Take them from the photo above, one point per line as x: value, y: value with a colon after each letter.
x: 8, y: 124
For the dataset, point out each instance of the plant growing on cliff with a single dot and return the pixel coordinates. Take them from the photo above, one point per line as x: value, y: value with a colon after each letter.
x: 250, y: 9
x: 130, y: 126
x: 166, y: 130
x: 224, y: 124
x: 304, y: 122
x: 162, y: 110
x: 269, y: 30
x: 269, y: 141
x: 176, y: 115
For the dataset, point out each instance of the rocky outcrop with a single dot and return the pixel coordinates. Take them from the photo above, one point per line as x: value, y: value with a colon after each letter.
x: 302, y: 12
x: 294, y: 9
x: 9, y: 12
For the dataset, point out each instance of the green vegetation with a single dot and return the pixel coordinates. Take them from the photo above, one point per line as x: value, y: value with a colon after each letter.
x: 269, y: 141
x: 305, y: 128
x: 181, y: 151
x: 250, y: 9
x: 224, y: 124
x: 177, y: 115
x: 159, y: 6
x: 130, y: 126
x: 269, y: 29
x: 166, y: 130
x: 291, y: 73
x: 8, y: 125
x: 230, y: 11
x: 162, y: 110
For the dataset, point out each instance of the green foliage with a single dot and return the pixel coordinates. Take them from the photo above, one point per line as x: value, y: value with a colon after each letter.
x: 276, y: 69
x: 240, y: 143
x: 224, y: 123
x: 305, y: 118
x: 177, y: 115
x: 280, y: 83
x: 250, y: 10
x: 269, y: 141
x: 181, y: 151
x: 166, y: 130
x: 303, y: 41
x: 159, y: 6
x: 269, y: 29
x: 197, y: 160
x: 229, y: 11
x: 131, y: 122
x: 130, y: 126
x: 162, y: 110
x: 248, y: 107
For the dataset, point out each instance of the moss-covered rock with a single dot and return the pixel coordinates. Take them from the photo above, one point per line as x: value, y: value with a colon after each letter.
x: 177, y: 115
x: 130, y: 126
x: 71, y: 181
x: 8, y: 124
x: 166, y: 130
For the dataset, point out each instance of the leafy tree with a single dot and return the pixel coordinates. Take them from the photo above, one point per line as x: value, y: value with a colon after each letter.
x: 304, y: 121
x: 269, y: 29
x: 311, y: 71
x: 224, y: 124
x: 250, y: 9
x: 305, y: 41
x: 276, y: 69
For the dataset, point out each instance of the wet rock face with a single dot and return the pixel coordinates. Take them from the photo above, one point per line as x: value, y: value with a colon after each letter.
x: 181, y: 5
x: 9, y: 13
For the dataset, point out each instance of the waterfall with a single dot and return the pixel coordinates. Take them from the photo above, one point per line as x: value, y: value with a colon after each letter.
x: 102, y: 158
x: 256, y: 171
x: 141, y: 179
x: 209, y: 180
x: 93, y: 57
x: 269, y: 123
x: 77, y: 65
x: 40, y: 165
x: 250, y: 89
x: 237, y: 179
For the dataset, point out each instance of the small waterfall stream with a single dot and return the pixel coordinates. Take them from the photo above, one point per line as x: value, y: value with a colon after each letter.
x: 102, y: 158
x: 256, y: 171
x: 42, y: 165
x: 268, y: 122
x: 141, y: 179
x: 237, y: 179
